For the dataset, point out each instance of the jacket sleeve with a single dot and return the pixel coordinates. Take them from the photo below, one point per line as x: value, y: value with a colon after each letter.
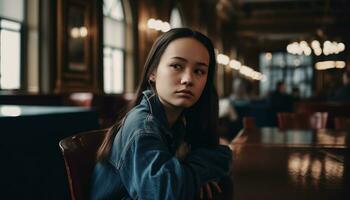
x: 150, y: 171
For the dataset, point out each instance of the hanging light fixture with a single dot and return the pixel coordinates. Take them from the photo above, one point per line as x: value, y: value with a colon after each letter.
x: 327, y: 53
x: 327, y: 48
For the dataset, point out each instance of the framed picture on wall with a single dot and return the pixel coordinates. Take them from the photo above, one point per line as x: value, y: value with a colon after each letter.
x: 77, y: 38
x: 75, y: 59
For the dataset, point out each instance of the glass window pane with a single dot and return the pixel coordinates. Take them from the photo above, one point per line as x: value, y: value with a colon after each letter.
x: 12, y: 9
x: 6, y: 24
x: 107, y: 70
x: 9, y: 60
x: 113, y: 71
x: 294, y: 70
x: 107, y: 5
x: 175, y: 18
x: 118, y: 71
x: 117, y: 11
x: 114, y: 46
x: 114, y: 33
x: 113, y: 9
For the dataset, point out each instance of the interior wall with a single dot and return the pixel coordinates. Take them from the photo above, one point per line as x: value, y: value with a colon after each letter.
x: 47, y: 46
x: 33, y: 46
x: 198, y: 15
x: 130, y: 61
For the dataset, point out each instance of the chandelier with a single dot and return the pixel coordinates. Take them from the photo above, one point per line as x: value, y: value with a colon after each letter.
x: 327, y: 48
x: 327, y: 54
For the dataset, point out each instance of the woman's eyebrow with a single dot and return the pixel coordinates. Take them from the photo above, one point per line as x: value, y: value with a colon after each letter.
x: 179, y: 58
x: 185, y: 60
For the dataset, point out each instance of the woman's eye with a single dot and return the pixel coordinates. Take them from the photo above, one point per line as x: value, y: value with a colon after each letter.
x: 175, y: 66
x: 200, y: 71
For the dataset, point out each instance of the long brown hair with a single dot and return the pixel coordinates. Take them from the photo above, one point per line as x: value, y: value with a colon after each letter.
x: 202, y: 118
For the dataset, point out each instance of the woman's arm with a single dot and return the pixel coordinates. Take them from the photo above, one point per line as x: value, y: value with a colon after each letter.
x: 150, y: 171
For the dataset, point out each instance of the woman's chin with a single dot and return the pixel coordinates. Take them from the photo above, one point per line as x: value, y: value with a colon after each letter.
x: 184, y: 103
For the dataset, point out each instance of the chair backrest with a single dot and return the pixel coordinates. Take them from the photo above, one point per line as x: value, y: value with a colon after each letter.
x: 109, y: 107
x: 317, y: 120
x: 249, y: 122
x: 79, y: 153
x: 342, y: 123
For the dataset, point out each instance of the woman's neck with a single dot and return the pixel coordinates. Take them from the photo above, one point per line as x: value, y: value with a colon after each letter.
x: 172, y: 112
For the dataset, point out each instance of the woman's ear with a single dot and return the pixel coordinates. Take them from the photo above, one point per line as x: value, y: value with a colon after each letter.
x: 152, y: 77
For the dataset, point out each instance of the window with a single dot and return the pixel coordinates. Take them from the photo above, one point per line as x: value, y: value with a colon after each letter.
x: 294, y: 70
x: 11, y: 19
x: 10, y: 38
x: 175, y: 18
x: 114, y: 46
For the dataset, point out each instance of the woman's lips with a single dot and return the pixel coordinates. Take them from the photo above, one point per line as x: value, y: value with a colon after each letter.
x: 185, y: 93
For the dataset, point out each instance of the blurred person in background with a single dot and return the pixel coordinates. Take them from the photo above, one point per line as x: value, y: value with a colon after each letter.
x: 343, y: 93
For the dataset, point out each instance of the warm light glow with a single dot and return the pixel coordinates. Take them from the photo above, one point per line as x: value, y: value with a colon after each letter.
x: 83, y: 31
x: 222, y: 59
x: 158, y: 25
x: 303, y: 166
x: 329, y: 65
x: 165, y: 27
x: 81, y: 96
x: 324, y: 65
x: 78, y: 32
x: 303, y: 45
x: 268, y: 56
x: 234, y: 64
x: 307, y: 51
x: 151, y: 23
x: 340, y: 64
x: 318, y: 51
x: 341, y: 47
x: 257, y: 75
x: 248, y: 72
x: 245, y: 70
x: 315, y: 44
x: 329, y: 47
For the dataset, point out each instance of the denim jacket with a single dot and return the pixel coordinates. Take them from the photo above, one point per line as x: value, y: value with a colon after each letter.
x: 142, y: 162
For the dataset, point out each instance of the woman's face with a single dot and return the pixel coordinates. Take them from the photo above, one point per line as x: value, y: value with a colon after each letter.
x: 182, y: 73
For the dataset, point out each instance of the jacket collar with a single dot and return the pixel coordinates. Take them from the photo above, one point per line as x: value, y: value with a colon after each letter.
x: 151, y: 100
x: 177, y: 132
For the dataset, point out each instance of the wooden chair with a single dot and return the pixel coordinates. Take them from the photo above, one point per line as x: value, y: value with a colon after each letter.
x: 317, y: 120
x: 79, y: 153
x: 342, y: 123
x: 249, y: 123
x: 109, y: 107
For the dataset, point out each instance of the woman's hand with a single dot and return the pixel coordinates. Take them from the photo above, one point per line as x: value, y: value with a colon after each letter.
x: 208, y: 188
x: 182, y: 151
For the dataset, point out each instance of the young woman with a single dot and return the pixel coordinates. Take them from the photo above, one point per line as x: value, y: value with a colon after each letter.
x: 166, y: 146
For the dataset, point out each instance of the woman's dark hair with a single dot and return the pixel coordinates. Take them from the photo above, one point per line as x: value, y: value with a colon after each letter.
x: 201, y: 118
x: 347, y: 73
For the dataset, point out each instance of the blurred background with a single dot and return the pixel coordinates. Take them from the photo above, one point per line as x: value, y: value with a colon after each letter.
x: 272, y: 55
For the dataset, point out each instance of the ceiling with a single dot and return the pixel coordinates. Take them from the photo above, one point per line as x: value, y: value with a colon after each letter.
x: 284, y: 20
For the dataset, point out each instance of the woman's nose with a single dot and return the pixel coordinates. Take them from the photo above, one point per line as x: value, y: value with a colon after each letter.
x: 187, y: 78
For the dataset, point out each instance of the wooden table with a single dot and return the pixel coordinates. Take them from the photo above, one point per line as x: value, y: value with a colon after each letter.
x: 32, y: 165
x: 270, y: 136
x: 291, y: 164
